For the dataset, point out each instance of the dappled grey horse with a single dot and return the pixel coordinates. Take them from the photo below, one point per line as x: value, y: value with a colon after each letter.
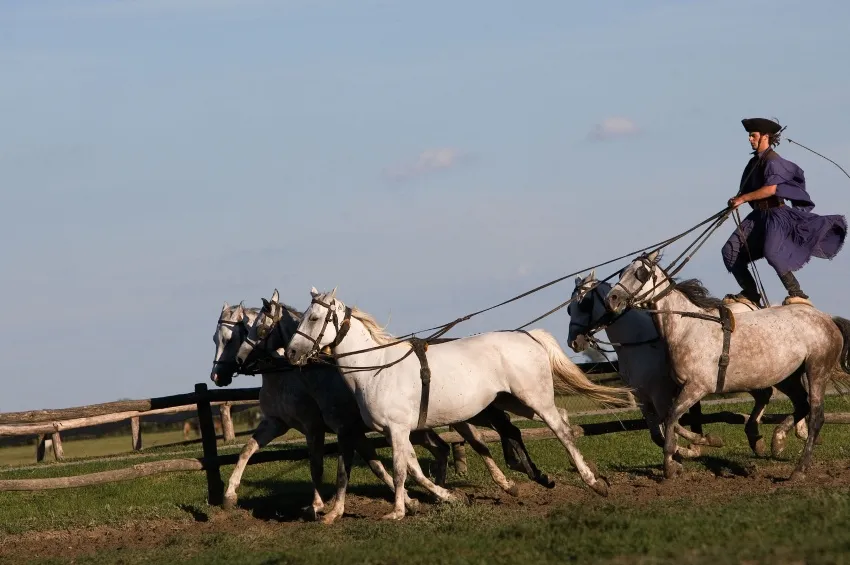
x: 712, y: 350
x: 644, y: 366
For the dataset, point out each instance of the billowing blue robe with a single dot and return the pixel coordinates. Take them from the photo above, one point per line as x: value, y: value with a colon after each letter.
x: 786, y: 236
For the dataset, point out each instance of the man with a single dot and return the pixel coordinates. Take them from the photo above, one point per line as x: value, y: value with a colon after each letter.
x: 785, y: 236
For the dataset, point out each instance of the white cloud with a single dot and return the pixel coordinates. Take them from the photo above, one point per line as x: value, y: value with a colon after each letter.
x: 613, y: 128
x: 428, y: 161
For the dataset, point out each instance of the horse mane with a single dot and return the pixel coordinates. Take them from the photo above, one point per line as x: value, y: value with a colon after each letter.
x: 379, y: 334
x: 697, y: 294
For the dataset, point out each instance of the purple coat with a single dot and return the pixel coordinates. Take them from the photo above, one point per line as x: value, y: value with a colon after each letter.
x: 787, y: 236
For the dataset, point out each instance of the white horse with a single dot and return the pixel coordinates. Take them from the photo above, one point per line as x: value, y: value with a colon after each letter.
x: 712, y: 350
x: 644, y: 366
x: 517, y: 371
x: 271, y: 331
x: 313, y: 402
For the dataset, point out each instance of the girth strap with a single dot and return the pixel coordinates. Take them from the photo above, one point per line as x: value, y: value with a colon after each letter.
x: 419, y: 347
x: 727, y: 324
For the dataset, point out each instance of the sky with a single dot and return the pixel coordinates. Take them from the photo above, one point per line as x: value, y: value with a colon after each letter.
x: 429, y: 159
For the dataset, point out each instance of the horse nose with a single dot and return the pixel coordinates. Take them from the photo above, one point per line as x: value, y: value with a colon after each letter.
x: 613, y: 300
x: 214, y: 377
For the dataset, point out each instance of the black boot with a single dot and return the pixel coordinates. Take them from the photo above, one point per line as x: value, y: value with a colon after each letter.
x: 789, y: 281
x: 749, y: 289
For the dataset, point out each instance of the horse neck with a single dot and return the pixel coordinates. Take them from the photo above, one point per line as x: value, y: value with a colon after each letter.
x: 670, y: 325
x: 357, y: 339
x: 633, y: 326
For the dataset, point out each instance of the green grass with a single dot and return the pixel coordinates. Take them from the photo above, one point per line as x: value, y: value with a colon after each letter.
x: 774, y: 528
x: 769, y: 527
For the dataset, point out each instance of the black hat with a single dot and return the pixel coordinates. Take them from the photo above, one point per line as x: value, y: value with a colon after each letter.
x: 761, y: 125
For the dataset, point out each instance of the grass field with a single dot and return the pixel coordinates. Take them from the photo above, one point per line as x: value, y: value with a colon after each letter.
x: 729, y: 507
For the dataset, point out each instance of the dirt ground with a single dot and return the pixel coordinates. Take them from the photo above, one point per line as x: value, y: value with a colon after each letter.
x: 269, y: 518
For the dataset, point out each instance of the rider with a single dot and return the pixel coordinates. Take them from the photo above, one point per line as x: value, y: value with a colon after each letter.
x: 786, y: 236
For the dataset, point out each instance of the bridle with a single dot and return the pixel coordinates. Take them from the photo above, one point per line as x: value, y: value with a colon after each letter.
x: 602, y: 323
x: 581, y: 302
x: 331, y: 317
x: 648, y: 270
x: 268, y: 320
x: 234, y: 325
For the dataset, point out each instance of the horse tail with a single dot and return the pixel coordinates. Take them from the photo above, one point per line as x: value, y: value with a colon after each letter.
x: 572, y: 380
x: 844, y: 326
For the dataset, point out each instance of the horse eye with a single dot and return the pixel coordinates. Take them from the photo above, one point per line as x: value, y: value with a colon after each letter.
x: 314, y: 318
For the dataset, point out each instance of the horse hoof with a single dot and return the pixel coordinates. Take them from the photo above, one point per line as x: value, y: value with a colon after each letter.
x: 394, y: 515
x: 544, y: 480
x: 672, y: 469
x: 777, y: 446
x: 229, y: 503
x: 310, y: 514
x: 797, y: 477
x: 713, y: 440
x: 460, y: 497
x: 412, y: 506
x: 513, y: 490
x: 600, y: 487
x: 330, y: 517
x: 759, y: 447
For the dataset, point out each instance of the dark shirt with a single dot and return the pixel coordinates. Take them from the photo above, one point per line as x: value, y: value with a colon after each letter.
x: 768, y: 168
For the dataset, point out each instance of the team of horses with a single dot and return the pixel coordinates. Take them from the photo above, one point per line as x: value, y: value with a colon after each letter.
x: 675, y: 345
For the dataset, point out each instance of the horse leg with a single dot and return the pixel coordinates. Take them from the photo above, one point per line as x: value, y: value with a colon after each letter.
x: 751, y: 428
x: 817, y: 386
x: 651, y: 408
x: 367, y: 452
x: 404, y: 457
x: 265, y: 432
x: 315, y: 435
x: 346, y: 443
x: 687, y: 397
x: 516, y: 455
x: 793, y: 388
x: 431, y: 440
x: 473, y: 438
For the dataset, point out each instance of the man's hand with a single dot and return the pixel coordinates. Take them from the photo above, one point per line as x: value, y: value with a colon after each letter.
x: 736, y: 201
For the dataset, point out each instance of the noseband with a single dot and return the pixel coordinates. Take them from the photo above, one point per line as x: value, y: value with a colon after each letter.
x: 648, y: 270
x: 341, y: 328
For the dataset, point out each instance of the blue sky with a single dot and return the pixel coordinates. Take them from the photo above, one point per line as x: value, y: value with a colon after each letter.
x: 160, y: 157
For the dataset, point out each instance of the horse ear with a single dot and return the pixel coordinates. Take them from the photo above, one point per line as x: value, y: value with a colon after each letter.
x: 240, y: 311
x: 313, y: 292
x: 275, y: 296
x: 653, y: 256
x: 592, y: 275
x: 333, y: 293
x: 225, y: 307
x: 265, y: 303
x: 579, y: 281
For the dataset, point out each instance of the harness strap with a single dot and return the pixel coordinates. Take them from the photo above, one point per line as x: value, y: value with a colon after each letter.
x: 727, y: 324
x: 420, y: 346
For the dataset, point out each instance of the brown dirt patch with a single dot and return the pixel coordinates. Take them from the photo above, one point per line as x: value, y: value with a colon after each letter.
x: 271, y: 518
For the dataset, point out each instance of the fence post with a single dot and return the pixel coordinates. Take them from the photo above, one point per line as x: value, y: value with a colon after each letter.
x: 58, y: 452
x: 227, y: 424
x: 215, y: 488
x: 40, y: 447
x: 136, y: 433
